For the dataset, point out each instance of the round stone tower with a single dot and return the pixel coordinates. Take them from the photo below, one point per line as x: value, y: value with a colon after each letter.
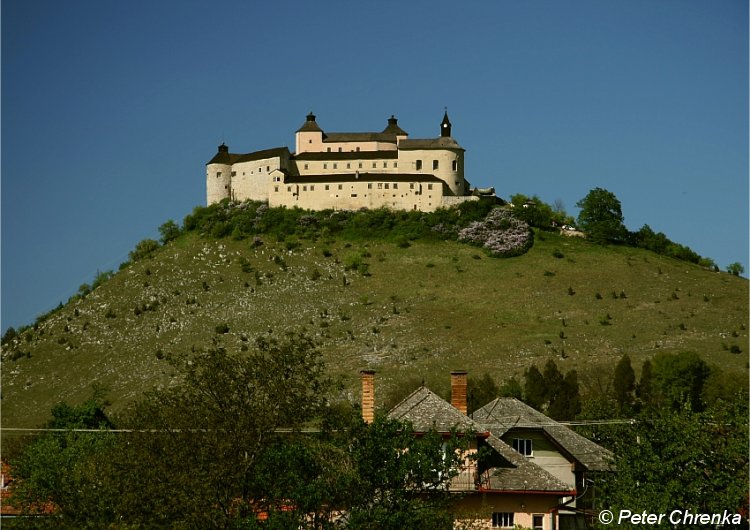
x: 219, y: 176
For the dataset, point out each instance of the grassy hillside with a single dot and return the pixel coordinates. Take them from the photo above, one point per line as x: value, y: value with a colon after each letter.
x: 417, y: 312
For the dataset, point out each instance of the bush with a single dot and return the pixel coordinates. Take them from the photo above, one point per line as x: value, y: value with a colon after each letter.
x: 222, y: 329
x: 144, y: 249
x: 500, y: 233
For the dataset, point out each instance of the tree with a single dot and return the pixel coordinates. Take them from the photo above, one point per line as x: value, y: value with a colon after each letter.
x: 58, y: 469
x: 645, y: 388
x: 601, y: 217
x: 566, y: 402
x: 623, y: 383
x: 679, y: 379
x: 169, y: 232
x: 679, y: 459
x: 144, y: 249
x: 480, y: 391
x: 534, y: 391
x: 735, y: 268
x: 511, y: 388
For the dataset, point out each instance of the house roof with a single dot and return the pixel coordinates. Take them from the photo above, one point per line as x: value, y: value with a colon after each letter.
x: 365, y: 177
x: 348, y: 155
x: 224, y: 157
x: 444, y: 142
x: 503, y: 414
x: 425, y: 410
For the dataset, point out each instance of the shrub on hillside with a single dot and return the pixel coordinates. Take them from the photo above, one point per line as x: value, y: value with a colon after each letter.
x: 144, y: 249
x: 500, y: 233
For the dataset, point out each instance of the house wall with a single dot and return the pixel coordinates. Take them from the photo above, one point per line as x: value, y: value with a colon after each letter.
x: 251, y: 180
x: 546, y: 455
x: 475, y: 510
x: 312, y: 142
x: 353, y: 195
x: 454, y: 179
x: 218, y: 182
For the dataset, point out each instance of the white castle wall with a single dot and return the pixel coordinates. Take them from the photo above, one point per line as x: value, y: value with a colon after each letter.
x: 251, y: 180
x: 218, y: 182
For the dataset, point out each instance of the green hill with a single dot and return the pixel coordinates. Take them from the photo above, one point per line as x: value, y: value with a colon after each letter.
x: 418, y: 311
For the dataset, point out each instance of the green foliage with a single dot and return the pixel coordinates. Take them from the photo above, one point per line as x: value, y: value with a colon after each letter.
x: 551, y: 392
x: 679, y: 380
x: 144, y: 249
x: 623, y: 383
x: 480, y: 391
x: 661, y: 244
x: 679, y: 459
x: 735, y: 268
x: 537, y: 213
x: 211, y: 454
x: 601, y: 217
x: 169, y: 232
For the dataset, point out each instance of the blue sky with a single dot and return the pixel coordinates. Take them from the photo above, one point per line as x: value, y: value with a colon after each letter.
x: 110, y: 111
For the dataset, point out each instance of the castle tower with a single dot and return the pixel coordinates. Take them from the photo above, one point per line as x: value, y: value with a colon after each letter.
x: 219, y: 176
x: 309, y: 137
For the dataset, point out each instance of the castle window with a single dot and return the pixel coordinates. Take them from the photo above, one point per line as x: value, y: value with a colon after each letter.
x: 312, y: 188
x: 358, y: 149
x: 340, y: 187
x: 339, y: 149
x: 411, y: 186
x: 360, y: 165
x: 335, y: 166
x: 329, y: 149
x: 502, y: 520
x: 348, y: 165
x: 276, y: 189
x: 369, y: 185
x: 455, y: 165
x: 307, y: 166
x: 260, y: 170
x: 395, y: 186
x: 234, y: 173
x: 304, y: 188
x: 268, y: 168
x: 385, y: 164
x: 325, y: 166
x: 288, y: 188
x: 380, y: 185
x: 218, y: 174
x: 434, y: 164
x: 429, y: 186
x: 327, y: 187
x: 309, y: 141
x: 374, y: 165
x: 354, y: 194
x: 386, y: 185
x: 395, y: 164
x: 523, y: 446
x: 419, y: 165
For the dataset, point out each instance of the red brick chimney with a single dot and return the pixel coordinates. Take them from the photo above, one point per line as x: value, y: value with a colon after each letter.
x: 458, y: 390
x: 368, y: 395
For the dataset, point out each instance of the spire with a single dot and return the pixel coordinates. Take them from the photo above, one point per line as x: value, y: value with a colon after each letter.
x: 393, y: 128
x: 445, y: 125
x: 310, y: 124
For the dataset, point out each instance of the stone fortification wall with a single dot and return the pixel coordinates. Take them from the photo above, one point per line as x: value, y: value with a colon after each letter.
x: 218, y: 182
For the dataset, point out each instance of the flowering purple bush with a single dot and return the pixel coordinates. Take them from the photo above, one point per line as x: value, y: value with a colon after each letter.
x: 500, y: 233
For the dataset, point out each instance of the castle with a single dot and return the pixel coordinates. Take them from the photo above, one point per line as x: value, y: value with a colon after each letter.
x: 346, y: 171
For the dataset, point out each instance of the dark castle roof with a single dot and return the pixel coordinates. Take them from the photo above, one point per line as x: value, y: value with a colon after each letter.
x: 225, y: 157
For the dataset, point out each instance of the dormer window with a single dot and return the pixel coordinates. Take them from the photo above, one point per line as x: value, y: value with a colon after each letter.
x: 523, y: 446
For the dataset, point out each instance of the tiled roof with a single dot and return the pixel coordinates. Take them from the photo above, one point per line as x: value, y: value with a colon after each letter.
x: 504, y: 414
x: 348, y: 155
x: 365, y: 177
x: 444, y: 142
x: 223, y: 157
x: 425, y: 410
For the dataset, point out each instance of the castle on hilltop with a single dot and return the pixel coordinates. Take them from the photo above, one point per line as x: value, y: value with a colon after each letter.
x: 346, y: 171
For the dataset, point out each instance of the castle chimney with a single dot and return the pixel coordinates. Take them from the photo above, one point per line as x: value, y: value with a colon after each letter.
x: 368, y: 395
x: 458, y: 390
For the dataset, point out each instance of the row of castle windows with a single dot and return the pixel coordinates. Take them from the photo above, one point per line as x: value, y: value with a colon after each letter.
x: 381, y: 185
x: 418, y: 165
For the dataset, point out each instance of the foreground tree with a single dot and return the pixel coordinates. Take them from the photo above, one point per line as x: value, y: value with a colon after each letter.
x: 226, y: 449
x: 601, y: 217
